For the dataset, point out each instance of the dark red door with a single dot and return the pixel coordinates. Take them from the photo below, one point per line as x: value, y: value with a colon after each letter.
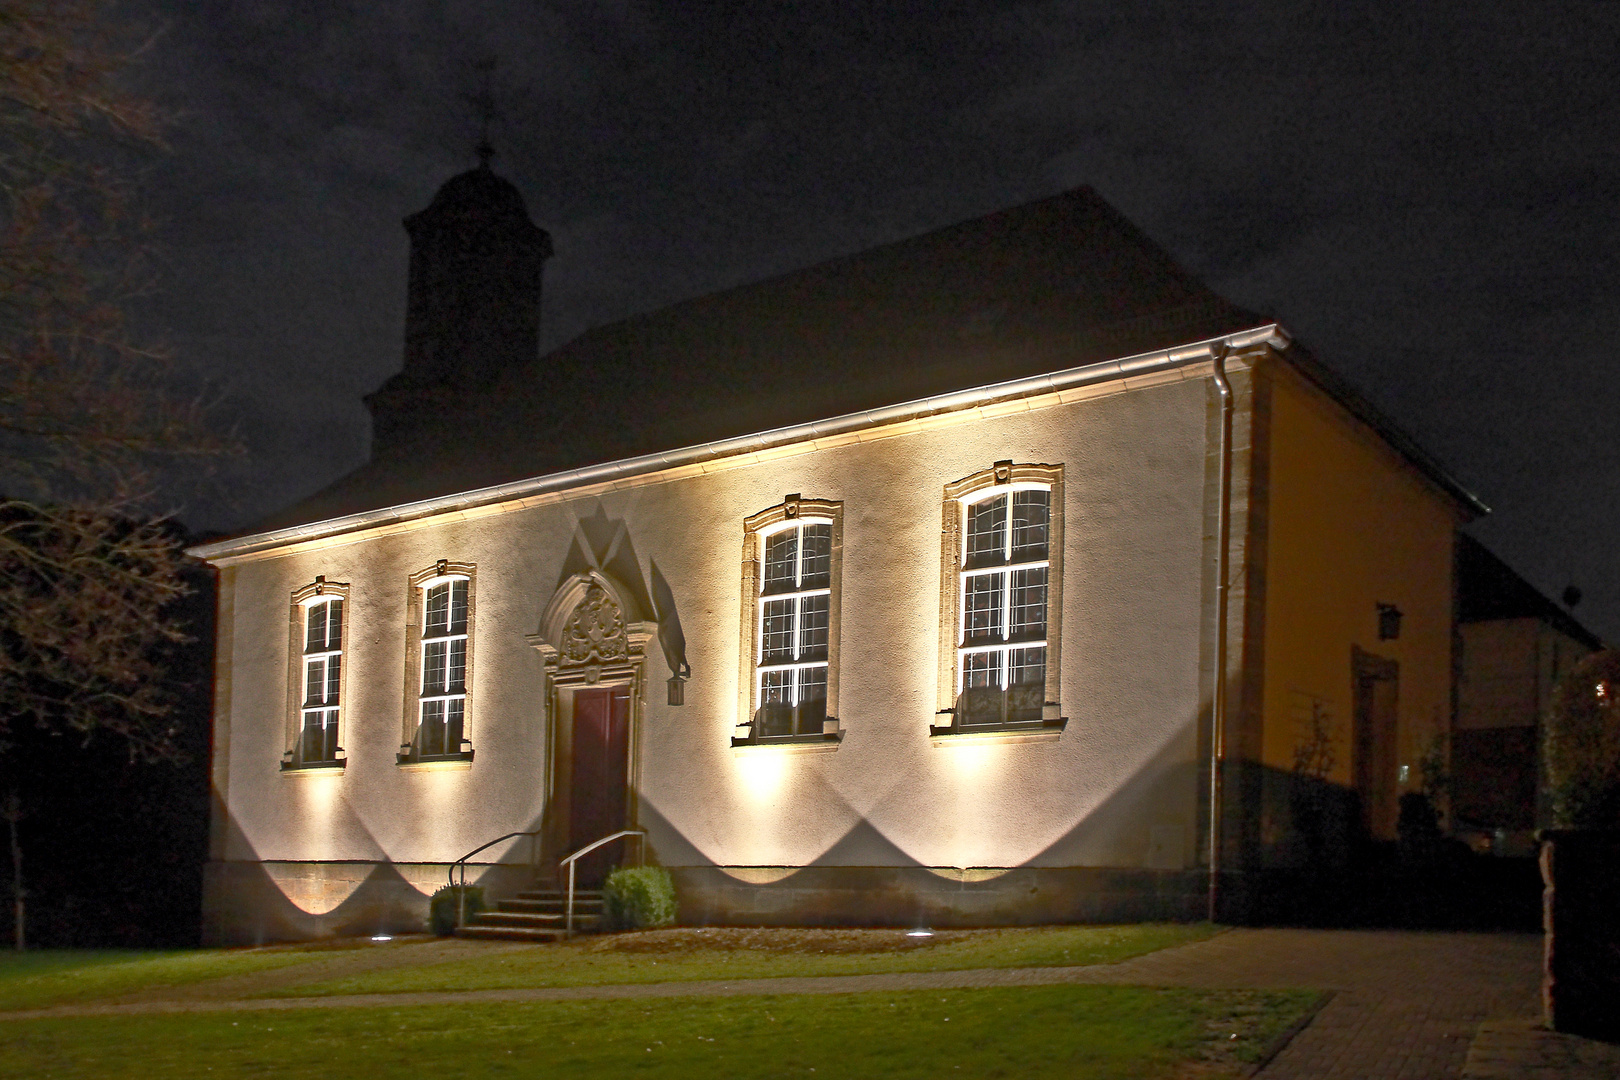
x: 599, y: 787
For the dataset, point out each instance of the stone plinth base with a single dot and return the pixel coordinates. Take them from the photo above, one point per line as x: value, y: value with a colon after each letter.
x: 925, y: 896
x: 255, y: 903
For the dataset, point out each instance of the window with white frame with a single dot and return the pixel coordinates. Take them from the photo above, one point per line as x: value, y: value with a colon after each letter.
x: 317, y: 676
x: 1002, y: 548
x: 436, y: 717
x: 791, y: 566
x: 444, y: 667
x: 323, y: 677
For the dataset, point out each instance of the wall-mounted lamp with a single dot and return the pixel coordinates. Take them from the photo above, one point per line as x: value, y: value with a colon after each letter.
x: 1389, y: 622
x: 677, y: 690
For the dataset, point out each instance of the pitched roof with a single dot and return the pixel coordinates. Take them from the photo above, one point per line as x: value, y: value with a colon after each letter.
x: 1053, y: 284
x: 1488, y: 588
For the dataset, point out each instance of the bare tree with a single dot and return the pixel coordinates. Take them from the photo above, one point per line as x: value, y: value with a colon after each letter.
x: 91, y: 416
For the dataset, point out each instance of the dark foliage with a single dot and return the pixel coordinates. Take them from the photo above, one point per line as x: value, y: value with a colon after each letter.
x: 1581, y: 745
x: 115, y: 843
x: 453, y: 905
x: 638, y: 898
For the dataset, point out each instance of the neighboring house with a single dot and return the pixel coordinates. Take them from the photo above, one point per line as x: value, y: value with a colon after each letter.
x: 1514, y: 645
x: 884, y: 592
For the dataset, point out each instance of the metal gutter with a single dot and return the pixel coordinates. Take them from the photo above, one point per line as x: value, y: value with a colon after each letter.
x: 1141, y: 364
x: 1217, y: 724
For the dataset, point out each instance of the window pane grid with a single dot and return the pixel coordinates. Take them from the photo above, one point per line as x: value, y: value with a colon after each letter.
x: 815, y: 557
x: 982, y: 606
x: 1001, y: 654
x: 776, y: 632
x: 813, y: 615
x: 1027, y: 601
x: 987, y: 532
x: 794, y: 627
x: 442, y: 698
x: 323, y: 676
x: 782, y: 561
x: 319, y: 737
x: 1031, y: 514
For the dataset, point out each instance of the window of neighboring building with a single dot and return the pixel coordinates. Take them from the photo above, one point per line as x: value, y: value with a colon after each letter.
x: 1003, y: 549
x: 317, y: 636
x: 442, y: 653
x: 791, y: 569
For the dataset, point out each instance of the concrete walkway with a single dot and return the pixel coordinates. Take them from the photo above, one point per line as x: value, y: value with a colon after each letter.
x: 1405, y: 1006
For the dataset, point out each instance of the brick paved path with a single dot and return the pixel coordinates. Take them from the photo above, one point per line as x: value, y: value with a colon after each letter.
x: 1520, y: 1050
x: 1406, y: 1005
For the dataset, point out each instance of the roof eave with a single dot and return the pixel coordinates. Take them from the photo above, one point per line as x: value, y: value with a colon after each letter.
x: 1270, y: 334
x: 1342, y: 391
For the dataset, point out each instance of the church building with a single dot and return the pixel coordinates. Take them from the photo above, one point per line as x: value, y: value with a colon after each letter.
x: 1001, y: 575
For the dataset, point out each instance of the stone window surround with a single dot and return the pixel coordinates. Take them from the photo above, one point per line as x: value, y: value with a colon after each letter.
x: 756, y: 527
x: 296, y: 629
x: 419, y: 583
x: 957, y: 497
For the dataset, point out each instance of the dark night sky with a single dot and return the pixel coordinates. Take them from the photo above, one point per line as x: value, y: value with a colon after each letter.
x: 1426, y: 195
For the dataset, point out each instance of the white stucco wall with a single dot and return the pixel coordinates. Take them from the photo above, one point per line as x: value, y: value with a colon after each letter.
x: 1133, y: 545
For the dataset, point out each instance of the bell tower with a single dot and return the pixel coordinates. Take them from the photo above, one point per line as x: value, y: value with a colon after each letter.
x: 473, y: 299
x: 473, y: 306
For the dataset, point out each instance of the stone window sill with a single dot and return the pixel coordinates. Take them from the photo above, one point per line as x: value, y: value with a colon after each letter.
x: 316, y: 768
x: 828, y: 739
x: 1044, y: 730
x: 434, y: 762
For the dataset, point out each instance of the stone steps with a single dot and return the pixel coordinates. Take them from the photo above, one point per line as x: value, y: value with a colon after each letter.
x: 537, y: 916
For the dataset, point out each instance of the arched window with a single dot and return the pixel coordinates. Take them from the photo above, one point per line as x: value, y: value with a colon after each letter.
x: 1003, y: 545
x: 791, y: 557
x: 442, y: 602
x: 317, y: 676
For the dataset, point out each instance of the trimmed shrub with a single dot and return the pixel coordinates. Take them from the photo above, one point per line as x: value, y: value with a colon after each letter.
x: 445, y: 906
x: 1580, y: 745
x: 638, y: 898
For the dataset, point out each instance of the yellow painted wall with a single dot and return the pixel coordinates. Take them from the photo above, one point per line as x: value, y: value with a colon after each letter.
x: 1508, y: 669
x: 1351, y: 525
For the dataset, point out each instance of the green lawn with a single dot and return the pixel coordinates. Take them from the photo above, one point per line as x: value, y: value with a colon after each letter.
x: 32, y: 980
x: 1075, y: 1032
x: 672, y: 956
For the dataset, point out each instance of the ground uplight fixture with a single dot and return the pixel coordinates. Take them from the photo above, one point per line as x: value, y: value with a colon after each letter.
x: 382, y: 937
x: 921, y: 931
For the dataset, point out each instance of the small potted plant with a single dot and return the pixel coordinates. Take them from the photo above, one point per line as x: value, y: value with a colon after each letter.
x: 1580, y: 853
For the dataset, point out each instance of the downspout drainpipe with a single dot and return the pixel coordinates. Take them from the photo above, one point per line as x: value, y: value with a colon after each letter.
x: 1217, y: 739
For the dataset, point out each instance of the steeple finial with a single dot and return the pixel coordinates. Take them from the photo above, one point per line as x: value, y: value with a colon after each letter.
x: 484, y: 102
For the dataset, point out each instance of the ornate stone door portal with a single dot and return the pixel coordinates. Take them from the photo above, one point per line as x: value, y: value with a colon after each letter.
x: 593, y: 638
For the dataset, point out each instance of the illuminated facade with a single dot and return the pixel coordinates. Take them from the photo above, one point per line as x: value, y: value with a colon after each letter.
x: 924, y: 630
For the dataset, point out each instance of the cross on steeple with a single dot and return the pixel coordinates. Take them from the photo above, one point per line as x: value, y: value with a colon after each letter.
x: 484, y: 102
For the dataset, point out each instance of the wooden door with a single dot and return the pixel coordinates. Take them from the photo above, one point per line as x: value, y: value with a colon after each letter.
x: 1377, y: 683
x: 598, y: 802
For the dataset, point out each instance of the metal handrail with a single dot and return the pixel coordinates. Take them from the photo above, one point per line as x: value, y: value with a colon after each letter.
x: 461, y: 897
x: 571, y: 861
